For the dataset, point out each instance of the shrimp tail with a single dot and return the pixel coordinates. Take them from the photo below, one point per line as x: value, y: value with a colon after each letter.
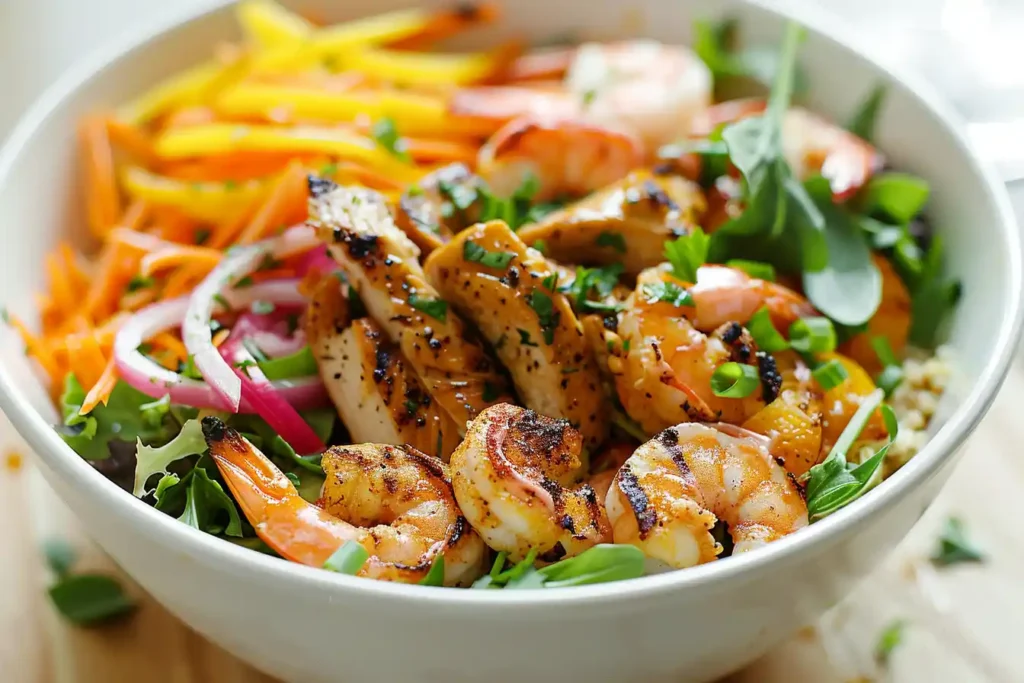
x: 292, y: 527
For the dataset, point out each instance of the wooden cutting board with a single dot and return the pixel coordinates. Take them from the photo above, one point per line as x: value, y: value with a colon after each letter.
x: 962, y: 624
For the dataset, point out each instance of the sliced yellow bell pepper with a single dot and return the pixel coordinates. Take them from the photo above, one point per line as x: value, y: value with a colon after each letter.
x: 221, y: 138
x: 421, y: 68
x: 210, y: 202
x: 413, y: 113
x: 190, y: 87
x: 267, y: 24
x: 330, y: 41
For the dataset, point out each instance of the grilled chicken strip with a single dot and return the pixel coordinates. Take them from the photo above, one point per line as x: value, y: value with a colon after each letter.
x: 381, y: 262
x: 510, y: 292
x: 627, y: 222
x: 440, y: 205
x: 378, y: 396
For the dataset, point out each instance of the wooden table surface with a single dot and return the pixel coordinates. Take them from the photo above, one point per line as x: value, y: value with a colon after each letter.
x: 963, y: 623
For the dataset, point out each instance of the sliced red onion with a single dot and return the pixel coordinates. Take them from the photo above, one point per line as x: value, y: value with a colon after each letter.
x: 237, y: 263
x: 269, y: 334
x: 157, y: 381
x: 269, y: 404
x: 316, y: 259
x: 230, y: 384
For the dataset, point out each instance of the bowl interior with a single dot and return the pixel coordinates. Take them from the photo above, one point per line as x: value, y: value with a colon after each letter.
x: 41, y: 204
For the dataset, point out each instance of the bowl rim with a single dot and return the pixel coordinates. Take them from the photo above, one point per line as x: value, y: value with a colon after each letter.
x: 60, y: 458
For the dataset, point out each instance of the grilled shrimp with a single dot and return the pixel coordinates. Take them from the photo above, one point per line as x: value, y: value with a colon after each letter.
x: 378, y: 397
x: 422, y: 211
x: 664, y: 364
x: 606, y: 465
x: 626, y: 222
x: 382, y: 264
x: 394, y: 501
x: 516, y: 304
x: 491, y: 107
x: 811, y: 145
x: 568, y: 156
x: 723, y: 294
x: 514, y: 478
x: 670, y: 493
x: 652, y: 89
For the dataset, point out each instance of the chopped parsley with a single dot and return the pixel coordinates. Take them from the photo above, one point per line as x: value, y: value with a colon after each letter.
x: 524, y: 337
x: 613, y: 240
x: 550, y: 282
x: 544, y: 307
x: 594, y: 280
x: 222, y: 302
x: 139, y: 282
x: 246, y: 281
x: 687, y: 254
x: 471, y: 251
x: 954, y: 547
x: 260, y: 307
x: 668, y: 292
x: 435, y: 308
x: 386, y: 135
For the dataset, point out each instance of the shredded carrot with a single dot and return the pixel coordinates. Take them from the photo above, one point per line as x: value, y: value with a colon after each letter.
x: 189, y: 116
x: 232, y: 167
x: 220, y: 336
x: 102, y: 198
x: 133, y: 301
x: 86, y: 359
x: 441, y: 150
x: 35, y: 347
x: 174, y: 226
x: 100, y: 391
x: 170, y: 343
x: 183, y: 280
x: 118, y: 264
x: 286, y: 204
x: 132, y: 140
x: 447, y: 23
x: 172, y: 257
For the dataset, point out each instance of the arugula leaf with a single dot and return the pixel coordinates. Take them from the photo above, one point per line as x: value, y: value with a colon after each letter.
x: 716, y: 45
x: 833, y: 483
x: 898, y: 196
x: 669, y: 292
x: 122, y: 418
x: 298, y: 364
x: 206, y: 503
x: 954, y: 547
x: 849, y: 288
x: 600, y: 564
x: 688, y: 253
x: 862, y: 123
x: 150, y: 461
x: 932, y: 298
x: 90, y: 599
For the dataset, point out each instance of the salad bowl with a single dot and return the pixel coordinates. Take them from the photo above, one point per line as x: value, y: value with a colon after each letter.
x: 304, y: 624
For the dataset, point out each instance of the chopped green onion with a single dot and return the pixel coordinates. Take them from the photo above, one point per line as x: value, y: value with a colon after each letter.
x: 813, y: 335
x: 348, y: 559
x: 888, y: 641
x: 734, y: 380
x: 830, y: 375
x: 435, y: 577
x: 764, y: 333
x: 293, y: 478
x: 892, y: 374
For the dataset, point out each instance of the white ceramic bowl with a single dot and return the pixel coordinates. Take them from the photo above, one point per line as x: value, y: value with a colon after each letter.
x: 304, y: 624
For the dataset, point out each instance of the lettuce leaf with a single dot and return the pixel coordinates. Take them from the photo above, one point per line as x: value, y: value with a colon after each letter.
x: 129, y: 415
x: 151, y: 461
